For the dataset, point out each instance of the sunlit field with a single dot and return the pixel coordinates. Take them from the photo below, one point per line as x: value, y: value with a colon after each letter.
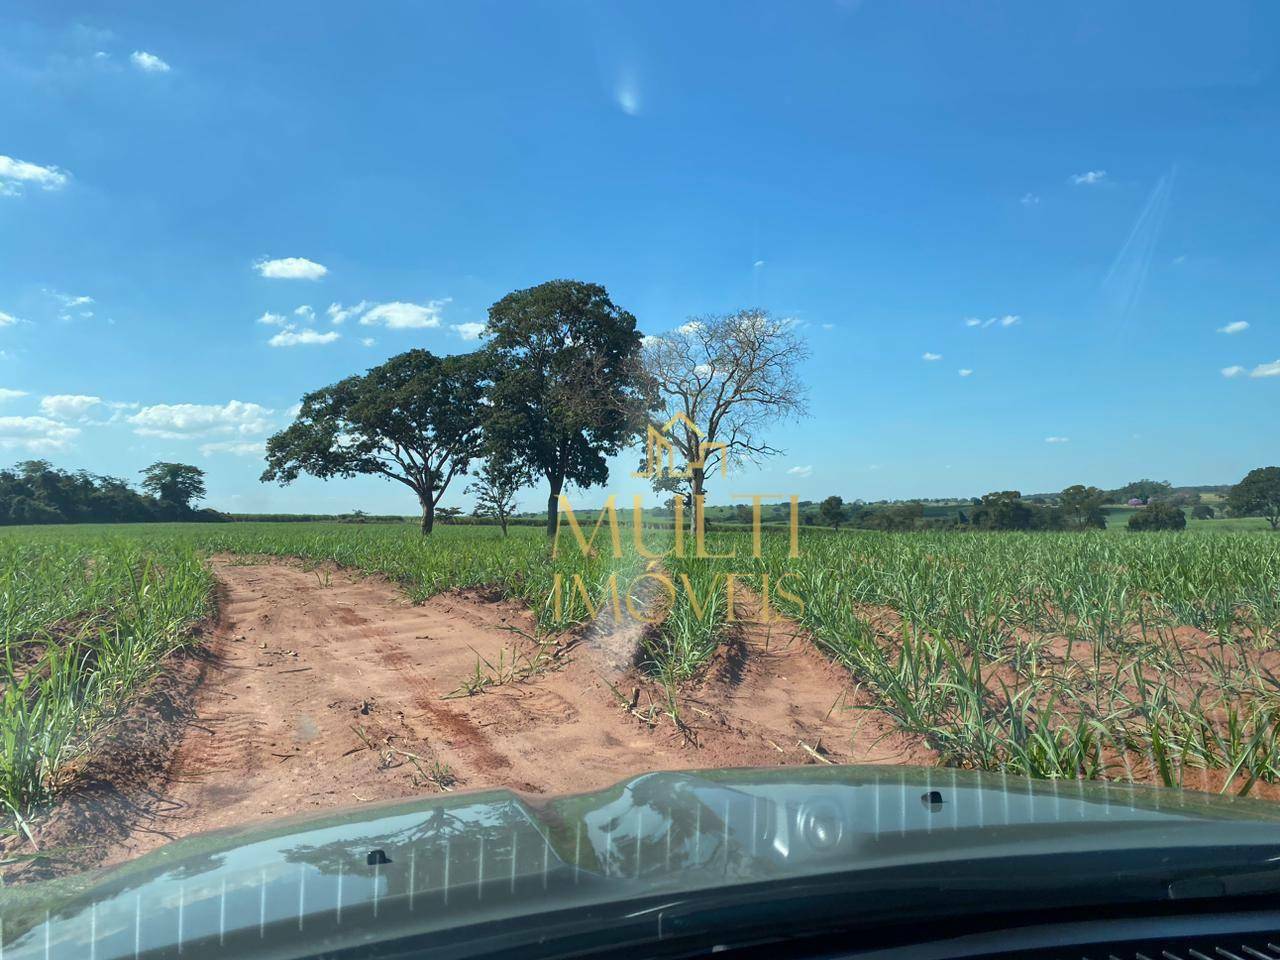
x: 1065, y: 655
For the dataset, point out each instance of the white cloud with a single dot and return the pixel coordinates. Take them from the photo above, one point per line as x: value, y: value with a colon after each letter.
x: 965, y: 372
x: 469, y: 331
x: 68, y: 406
x: 9, y: 320
x: 828, y: 326
x: 758, y: 263
x: 8, y: 394
x: 238, y: 448
x: 1089, y: 178
x: 340, y: 314
x: 35, y: 434
x: 1007, y: 320
x: 367, y: 341
x: 148, y: 62
x: 402, y: 316
x: 930, y: 356
x: 1057, y: 439
x: 291, y: 336
x: 272, y: 319
x: 1271, y: 369
x: 305, y: 312
x: 1029, y: 200
x: 182, y: 421
x: 291, y: 268
x: 804, y: 471
x: 693, y: 326
x: 1235, y: 326
x: 1232, y: 371
x: 69, y: 300
x: 14, y: 174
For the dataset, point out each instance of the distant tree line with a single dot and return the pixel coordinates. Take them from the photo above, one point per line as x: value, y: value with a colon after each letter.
x: 1075, y: 508
x: 1158, y: 507
x: 34, y: 491
x: 355, y: 516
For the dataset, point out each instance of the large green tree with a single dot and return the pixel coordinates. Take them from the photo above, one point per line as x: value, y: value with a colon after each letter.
x: 174, y: 484
x: 415, y: 419
x: 569, y: 389
x: 1082, y: 506
x: 1257, y: 495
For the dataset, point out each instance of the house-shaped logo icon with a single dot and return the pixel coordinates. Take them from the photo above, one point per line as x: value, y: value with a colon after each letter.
x: 661, y: 453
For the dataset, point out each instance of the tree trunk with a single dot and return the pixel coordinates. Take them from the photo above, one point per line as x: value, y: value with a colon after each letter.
x: 553, y: 505
x: 695, y: 491
x: 428, y: 515
x: 502, y: 519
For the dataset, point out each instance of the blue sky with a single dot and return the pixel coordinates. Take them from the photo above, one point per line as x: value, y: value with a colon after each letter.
x: 902, y: 179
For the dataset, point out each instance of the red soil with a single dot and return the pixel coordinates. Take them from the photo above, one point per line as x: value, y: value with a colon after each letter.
x: 324, y: 690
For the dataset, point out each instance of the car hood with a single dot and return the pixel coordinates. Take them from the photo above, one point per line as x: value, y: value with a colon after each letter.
x: 296, y: 886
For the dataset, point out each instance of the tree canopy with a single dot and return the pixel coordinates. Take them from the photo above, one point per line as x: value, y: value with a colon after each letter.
x: 832, y: 511
x: 415, y: 419
x: 1082, y: 507
x: 1144, y: 490
x: 569, y: 390
x: 1257, y: 495
x: 1158, y: 516
x: 176, y: 484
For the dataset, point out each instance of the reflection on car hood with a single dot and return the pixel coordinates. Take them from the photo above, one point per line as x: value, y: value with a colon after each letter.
x: 296, y: 886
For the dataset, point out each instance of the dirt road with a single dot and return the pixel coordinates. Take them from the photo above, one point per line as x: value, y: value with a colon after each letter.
x: 323, y: 690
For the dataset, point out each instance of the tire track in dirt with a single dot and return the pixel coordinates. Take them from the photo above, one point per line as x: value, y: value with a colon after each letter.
x: 326, y: 690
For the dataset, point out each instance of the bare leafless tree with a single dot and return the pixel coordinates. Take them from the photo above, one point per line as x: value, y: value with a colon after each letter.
x: 733, y: 378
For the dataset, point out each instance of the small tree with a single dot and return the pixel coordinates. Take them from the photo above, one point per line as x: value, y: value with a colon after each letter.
x: 174, y: 484
x: 832, y: 511
x: 496, y: 486
x: 1082, y: 507
x: 1257, y: 495
x: 415, y: 419
x: 1158, y: 516
x: 1202, y: 511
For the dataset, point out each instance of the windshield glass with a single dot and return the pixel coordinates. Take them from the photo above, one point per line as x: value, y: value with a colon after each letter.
x: 575, y: 402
